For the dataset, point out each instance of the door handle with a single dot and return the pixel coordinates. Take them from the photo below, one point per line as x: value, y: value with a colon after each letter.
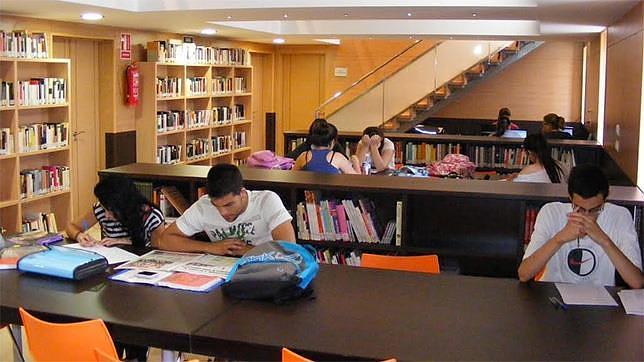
x: 76, y: 133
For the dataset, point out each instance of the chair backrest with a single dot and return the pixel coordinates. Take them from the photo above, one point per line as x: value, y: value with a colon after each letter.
x: 104, y: 356
x: 290, y: 356
x: 420, y: 263
x: 66, y: 341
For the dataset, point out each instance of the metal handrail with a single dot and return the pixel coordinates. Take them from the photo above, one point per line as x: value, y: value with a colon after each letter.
x: 318, y: 111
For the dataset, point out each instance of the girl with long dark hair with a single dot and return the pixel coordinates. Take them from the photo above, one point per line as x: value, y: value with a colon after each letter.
x: 124, y: 214
x: 543, y: 168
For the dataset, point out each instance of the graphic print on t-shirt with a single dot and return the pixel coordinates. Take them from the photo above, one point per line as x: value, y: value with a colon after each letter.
x: 238, y: 231
x: 581, y: 261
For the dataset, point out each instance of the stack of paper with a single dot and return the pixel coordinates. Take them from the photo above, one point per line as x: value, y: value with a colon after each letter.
x: 585, y: 294
x: 633, y: 301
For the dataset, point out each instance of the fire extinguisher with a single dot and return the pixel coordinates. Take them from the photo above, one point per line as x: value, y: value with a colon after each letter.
x: 132, y: 87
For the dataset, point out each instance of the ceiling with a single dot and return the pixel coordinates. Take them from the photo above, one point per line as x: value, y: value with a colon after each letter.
x: 302, y: 21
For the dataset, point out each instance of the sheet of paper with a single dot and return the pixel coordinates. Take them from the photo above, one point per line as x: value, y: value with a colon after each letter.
x: 159, y: 260
x: 633, y: 301
x: 113, y: 255
x: 585, y: 294
x: 212, y: 265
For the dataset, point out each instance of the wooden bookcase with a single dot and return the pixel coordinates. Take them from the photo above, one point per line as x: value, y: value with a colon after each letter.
x: 13, y: 208
x: 148, y: 138
x: 481, y: 224
x: 584, y: 151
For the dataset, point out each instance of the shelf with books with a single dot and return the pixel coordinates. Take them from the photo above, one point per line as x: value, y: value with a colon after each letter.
x: 480, y: 224
x: 37, y: 128
x: 193, y: 108
x: 28, y: 46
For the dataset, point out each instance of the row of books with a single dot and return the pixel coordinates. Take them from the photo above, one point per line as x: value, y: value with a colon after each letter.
x: 40, y: 222
x: 42, y: 91
x: 176, y: 51
x: 529, y: 220
x: 169, y: 87
x: 170, y: 120
x: 345, y: 220
x: 169, y: 154
x: 418, y: 153
x: 240, y: 139
x: 23, y: 44
x: 41, y: 136
x: 225, y: 85
x: 196, y: 86
x: 6, y: 94
x: 6, y: 141
x: 44, y: 180
x: 197, y: 148
x: 199, y: 118
x: 222, y: 144
x: 342, y: 257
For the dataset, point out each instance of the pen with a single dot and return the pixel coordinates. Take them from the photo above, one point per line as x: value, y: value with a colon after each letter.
x: 557, y: 303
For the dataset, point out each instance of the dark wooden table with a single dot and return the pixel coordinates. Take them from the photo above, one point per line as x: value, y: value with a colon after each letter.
x: 356, y: 314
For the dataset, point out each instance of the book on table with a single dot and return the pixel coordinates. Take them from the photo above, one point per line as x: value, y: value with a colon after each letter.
x: 187, y: 271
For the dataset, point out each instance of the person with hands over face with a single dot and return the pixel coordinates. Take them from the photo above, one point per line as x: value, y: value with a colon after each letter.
x: 126, y: 217
x: 586, y: 240
x: 235, y: 219
x: 375, y: 150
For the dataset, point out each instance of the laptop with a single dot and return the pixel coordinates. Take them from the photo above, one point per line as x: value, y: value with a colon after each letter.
x: 515, y: 133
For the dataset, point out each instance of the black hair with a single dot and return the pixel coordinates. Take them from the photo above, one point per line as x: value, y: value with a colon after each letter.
x: 587, y: 181
x: 537, y: 144
x: 371, y: 131
x: 554, y: 120
x: 123, y: 199
x: 224, y: 179
x: 504, y: 112
x: 315, y: 123
x: 322, y: 134
x: 502, y: 125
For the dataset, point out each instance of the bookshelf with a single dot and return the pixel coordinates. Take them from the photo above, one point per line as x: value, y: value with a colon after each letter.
x: 489, y: 153
x: 195, y: 113
x: 35, y: 149
x: 480, y: 224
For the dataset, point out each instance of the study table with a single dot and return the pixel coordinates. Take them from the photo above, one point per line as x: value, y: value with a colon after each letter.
x: 357, y: 313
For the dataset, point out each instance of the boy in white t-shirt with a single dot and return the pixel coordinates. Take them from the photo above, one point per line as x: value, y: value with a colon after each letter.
x: 585, y: 241
x: 235, y: 219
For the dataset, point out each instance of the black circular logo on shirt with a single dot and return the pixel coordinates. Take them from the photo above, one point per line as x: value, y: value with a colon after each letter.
x: 581, y: 261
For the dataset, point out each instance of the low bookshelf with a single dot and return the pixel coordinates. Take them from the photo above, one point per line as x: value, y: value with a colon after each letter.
x: 480, y: 224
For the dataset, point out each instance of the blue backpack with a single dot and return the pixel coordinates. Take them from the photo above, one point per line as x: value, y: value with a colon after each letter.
x: 277, y: 270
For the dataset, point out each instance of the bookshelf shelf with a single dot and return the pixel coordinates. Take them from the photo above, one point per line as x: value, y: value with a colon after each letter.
x: 44, y: 196
x: 51, y: 165
x: 241, y: 123
x: 242, y: 149
x: 351, y: 245
x: 187, y: 109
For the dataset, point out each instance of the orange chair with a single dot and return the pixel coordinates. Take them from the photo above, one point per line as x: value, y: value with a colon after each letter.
x: 421, y: 263
x: 290, y: 356
x: 66, y: 341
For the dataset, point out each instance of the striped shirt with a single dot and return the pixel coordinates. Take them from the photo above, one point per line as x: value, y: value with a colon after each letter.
x: 114, y: 229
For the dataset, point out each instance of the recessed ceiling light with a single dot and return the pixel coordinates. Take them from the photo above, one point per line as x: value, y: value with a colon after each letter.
x: 346, y: 14
x: 475, y: 14
x: 229, y: 17
x: 408, y: 14
x: 91, y: 16
x: 411, y: 37
x: 478, y: 50
x: 279, y: 41
x: 285, y: 16
x: 208, y: 31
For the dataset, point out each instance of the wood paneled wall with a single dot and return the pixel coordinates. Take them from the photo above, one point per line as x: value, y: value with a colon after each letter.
x: 624, y: 90
x: 546, y: 80
x: 592, y: 84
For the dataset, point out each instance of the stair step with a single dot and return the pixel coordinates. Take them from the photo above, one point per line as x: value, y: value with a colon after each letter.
x: 423, y: 104
x: 442, y: 92
x: 495, y: 59
x: 407, y: 114
x: 477, y: 70
x: 513, y: 48
x: 459, y: 81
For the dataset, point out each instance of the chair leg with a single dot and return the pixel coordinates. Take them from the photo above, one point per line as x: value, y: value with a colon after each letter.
x: 16, y: 336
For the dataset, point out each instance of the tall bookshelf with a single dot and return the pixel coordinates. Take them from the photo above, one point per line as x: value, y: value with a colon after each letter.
x: 15, y: 207
x: 220, y: 125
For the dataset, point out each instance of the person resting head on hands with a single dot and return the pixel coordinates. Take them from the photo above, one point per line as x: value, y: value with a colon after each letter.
x: 375, y: 150
x: 321, y: 157
x: 233, y: 218
x: 124, y: 214
x: 586, y: 240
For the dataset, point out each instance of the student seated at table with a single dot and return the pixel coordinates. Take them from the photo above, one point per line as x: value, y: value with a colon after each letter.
x: 375, y: 151
x: 235, y: 219
x: 321, y: 157
x: 553, y: 126
x: 543, y: 168
x: 126, y: 217
x: 586, y: 240
x: 306, y: 145
x: 504, y: 113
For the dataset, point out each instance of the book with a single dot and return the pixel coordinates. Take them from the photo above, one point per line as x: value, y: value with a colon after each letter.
x: 10, y: 253
x: 36, y: 237
x: 178, y: 280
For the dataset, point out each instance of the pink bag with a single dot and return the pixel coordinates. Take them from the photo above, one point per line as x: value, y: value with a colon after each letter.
x: 267, y: 159
x: 452, y: 163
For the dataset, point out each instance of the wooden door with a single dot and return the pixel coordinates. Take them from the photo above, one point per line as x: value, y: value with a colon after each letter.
x: 84, y: 55
x: 303, y: 89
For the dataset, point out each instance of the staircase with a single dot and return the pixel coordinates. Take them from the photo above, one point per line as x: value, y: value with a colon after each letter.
x: 425, y: 85
x: 459, y: 86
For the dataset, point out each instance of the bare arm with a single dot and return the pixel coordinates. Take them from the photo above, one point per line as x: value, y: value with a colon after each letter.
x: 156, y: 236
x: 300, y: 162
x: 284, y: 231
x: 174, y: 240
x: 533, y: 264
x: 76, y: 230
x: 381, y: 161
x: 344, y: 165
